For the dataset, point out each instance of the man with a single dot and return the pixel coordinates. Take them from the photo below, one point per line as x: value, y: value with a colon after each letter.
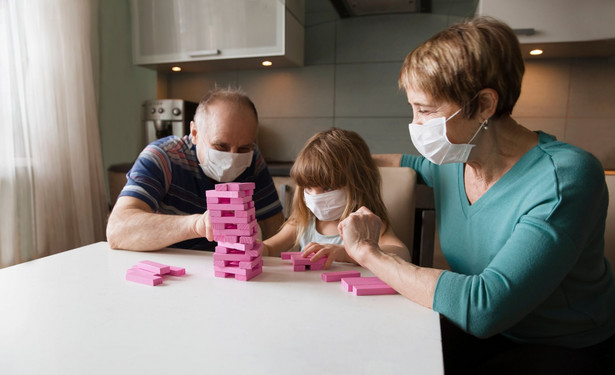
x: 163, y: 203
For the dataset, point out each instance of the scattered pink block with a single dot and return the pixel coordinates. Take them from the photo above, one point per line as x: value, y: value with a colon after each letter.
x: 154, y: 267
x: 349, y: 282
x: 177, y: 271
x: 299, y: 268
x: 143, y: 277
x: 370, y: 290
x: 337, y: 276
x: 287, y: 254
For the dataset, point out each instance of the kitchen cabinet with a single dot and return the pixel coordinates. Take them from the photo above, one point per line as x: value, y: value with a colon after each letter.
x: 206, y: 35
x: 562, y: 28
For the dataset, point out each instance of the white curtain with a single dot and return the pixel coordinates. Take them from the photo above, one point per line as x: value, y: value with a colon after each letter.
x: 52, y: 191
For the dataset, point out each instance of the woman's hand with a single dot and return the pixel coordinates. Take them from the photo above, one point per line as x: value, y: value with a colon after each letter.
x: 360, y: 232
x: 331, y: 251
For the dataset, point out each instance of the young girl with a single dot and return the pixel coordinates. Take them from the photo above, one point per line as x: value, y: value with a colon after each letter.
x: 335, y: 175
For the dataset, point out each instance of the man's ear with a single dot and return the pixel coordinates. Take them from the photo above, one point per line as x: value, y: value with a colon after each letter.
x: 487, y: 103
x: 193, y: 131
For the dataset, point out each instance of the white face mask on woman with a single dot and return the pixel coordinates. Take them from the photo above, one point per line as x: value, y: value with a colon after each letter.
x: 326, y: 206
x: 225, y: 166
x: 431, y: 141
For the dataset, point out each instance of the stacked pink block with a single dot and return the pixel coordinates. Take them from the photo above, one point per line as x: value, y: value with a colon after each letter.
x: 232, y: 215
x: 303, y: 264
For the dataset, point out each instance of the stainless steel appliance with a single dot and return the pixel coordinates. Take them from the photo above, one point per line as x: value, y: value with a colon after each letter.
x: 164, y: 117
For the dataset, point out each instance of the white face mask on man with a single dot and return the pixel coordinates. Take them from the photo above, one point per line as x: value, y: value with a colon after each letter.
x: 431, y: 141
x: 225, y: 166
x: 326, y: 206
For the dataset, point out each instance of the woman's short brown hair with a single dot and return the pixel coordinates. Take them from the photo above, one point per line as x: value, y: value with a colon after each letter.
x: 456, y: 63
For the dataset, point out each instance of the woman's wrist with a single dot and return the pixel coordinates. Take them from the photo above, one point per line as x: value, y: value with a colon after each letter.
x: 368, y: 253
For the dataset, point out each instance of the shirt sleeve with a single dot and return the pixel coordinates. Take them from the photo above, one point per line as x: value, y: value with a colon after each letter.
x: 149, y: 178
x: 266, y: 200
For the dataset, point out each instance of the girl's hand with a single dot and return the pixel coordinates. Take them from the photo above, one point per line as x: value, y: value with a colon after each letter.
x: 360, y: 232
x: 333, y: 252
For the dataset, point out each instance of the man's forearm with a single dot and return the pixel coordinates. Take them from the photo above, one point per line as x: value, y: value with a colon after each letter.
x: 143, y: 231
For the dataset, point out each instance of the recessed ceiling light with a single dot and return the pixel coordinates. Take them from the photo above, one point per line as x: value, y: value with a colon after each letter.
x: 267, y: 63
x: 176, y: 69
x: 536, y: 52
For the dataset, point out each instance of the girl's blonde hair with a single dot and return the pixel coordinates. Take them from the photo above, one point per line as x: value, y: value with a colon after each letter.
x: 337, y: 159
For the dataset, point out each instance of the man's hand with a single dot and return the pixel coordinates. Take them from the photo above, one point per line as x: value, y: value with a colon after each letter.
x: 203, y: 227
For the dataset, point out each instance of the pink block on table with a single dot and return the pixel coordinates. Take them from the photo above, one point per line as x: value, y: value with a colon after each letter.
x: 288, y: 254
x: 177, y: 271
x: 338, y: 275
x: 349, y: 282
x: 371, y: 290
x: 299, y: 268
x: 143, y: 277
x: 238, y: 273
x: 249, y: 276
x: 154, y: 267
x: 221, y: 187
x: 300, y: 260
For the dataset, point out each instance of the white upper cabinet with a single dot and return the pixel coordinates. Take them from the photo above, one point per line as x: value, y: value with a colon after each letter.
x: 555, y: 21
x: 205, y: 35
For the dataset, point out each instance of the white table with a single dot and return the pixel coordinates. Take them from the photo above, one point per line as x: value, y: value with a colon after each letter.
x: 74, y: 313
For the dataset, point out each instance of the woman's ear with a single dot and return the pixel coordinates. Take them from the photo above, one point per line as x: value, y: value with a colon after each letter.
x: 487, y: 103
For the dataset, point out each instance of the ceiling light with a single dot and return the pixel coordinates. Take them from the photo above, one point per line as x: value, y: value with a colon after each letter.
x: 176, y: 69
x: 267, y: 63
x: 536, y: 52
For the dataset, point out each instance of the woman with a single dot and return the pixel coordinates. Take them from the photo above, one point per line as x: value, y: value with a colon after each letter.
x: 521, y: 217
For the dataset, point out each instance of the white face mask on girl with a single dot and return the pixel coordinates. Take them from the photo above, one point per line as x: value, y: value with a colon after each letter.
x: 431, y: 141
x: 326, y: 206
x: 225, y: 166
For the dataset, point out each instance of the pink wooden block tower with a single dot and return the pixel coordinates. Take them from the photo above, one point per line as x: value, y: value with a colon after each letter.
x: 232, y: 215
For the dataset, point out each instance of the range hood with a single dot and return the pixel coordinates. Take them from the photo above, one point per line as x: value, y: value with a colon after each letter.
x: 357, y: 8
